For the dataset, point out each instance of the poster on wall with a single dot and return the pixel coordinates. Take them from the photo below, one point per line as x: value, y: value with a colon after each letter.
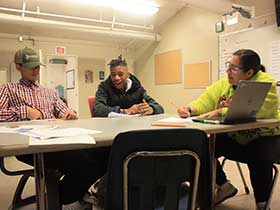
x: 60, y: 50
x: 101, y: 75
x: 70, y: 79
x: 88, y: 76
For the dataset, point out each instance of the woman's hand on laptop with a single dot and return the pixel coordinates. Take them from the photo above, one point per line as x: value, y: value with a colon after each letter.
x: 214, y: 113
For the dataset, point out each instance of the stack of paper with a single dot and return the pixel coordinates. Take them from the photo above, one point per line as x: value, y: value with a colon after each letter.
x: 83, y: 139
x: 44, y: 135
x: 173, y: 122
x: 48, y: 133
x: 60, y: 136
x: 119, y: 115
x: 176, y: 120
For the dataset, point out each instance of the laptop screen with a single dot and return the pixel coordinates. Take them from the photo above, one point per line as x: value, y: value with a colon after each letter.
x: 246, y: 102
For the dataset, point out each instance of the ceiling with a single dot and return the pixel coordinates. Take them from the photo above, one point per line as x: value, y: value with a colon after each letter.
x: 72, y: 20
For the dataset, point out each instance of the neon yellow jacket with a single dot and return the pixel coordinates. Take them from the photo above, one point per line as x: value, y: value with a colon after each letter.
x: 219, y: 94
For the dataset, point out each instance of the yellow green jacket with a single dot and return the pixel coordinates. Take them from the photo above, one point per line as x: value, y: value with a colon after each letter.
x: 219, y: 94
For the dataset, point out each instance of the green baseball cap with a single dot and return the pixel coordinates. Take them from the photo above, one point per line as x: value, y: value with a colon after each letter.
x: 28, y: 58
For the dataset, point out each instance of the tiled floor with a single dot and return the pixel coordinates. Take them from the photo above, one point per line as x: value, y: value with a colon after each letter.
x: 240, y: 202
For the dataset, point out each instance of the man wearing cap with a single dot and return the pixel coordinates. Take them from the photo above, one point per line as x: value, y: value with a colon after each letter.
x: 27, y: 100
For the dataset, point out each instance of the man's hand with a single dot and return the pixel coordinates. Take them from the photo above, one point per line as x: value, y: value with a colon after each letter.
x: 69, y: 115
x: 214, y: 113
x: 33, y: 114
x: 144, y: 108
x: 183, y: 112
x: 133, y: 109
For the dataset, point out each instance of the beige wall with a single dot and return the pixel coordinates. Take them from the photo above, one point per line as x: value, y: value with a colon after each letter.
x: 6, y: 60
x: 88, y: 89
x: 193, y: 31
x: 91, y: 55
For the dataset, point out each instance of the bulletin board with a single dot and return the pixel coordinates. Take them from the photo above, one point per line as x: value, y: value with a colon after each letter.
x: 197, y: 75
x: 168, y: 67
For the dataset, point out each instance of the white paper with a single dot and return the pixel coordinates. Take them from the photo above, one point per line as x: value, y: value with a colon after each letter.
x: 119, y: 115
x: 7, y: 130
x: 176, y: 120
x: 57, y: 133
x: 24, y: 128
x: 83, y: 139
x: 45, y: 135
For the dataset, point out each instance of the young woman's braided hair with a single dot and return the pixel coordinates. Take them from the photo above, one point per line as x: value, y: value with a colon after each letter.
x: 117, y: 62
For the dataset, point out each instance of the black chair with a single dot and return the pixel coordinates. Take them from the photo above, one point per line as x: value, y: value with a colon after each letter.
x: 151, y: 168
x: 20, y: 203
x: 264, y: 148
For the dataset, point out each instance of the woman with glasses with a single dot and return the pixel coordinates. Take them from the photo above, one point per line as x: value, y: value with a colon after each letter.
x: 243, y: 65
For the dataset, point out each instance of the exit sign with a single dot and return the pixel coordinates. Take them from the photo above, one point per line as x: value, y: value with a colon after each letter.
x: 60, y: 50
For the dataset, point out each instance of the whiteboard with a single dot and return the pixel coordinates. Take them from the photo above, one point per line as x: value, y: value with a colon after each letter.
x: 265, y: 41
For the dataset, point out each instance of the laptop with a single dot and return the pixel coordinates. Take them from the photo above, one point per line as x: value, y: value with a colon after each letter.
x: 246, y: 102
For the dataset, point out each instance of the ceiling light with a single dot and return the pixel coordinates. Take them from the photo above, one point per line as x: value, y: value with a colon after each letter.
x: 135, y: 7
x: 95, y: 2
x: 139, y: 7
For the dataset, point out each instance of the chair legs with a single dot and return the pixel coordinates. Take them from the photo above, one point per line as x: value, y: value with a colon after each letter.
x: 274, y: 180
x: 18, y: 201
x: 243, y: 178
x: 52, y: 187
x: 241, y: 175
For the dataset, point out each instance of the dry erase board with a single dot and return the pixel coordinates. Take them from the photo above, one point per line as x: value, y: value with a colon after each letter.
x: 265, y: 41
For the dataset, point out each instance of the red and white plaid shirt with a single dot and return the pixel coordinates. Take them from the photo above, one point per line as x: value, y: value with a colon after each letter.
x: 15, y: 97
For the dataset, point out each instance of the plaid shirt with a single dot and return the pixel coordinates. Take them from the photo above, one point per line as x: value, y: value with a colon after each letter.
x: 15, y: 97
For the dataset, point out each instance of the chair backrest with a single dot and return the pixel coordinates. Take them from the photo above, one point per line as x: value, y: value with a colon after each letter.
x: 90, y: 104
x: 158, y: 164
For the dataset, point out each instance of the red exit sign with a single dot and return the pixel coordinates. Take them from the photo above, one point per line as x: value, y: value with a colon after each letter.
x: 60, y: 50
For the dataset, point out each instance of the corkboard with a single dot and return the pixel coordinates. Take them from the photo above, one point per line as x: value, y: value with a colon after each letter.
x: 168, y: 67
x: 197, y: 75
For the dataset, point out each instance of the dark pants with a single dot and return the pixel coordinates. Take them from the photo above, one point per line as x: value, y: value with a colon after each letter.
x: 80, y: 169
x: 260, y: 170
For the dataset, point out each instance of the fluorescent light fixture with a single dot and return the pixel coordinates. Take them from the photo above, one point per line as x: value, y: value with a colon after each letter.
x: 138, y: 7
x: 232, y: 18
x: 105, y: 3
x: 135, y: 7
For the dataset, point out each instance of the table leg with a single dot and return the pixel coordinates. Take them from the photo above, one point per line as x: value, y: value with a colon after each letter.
x: 39, y: 174
x: 213, y: 167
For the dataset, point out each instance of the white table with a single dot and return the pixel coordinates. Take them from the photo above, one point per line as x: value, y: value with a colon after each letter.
x: 110, y: 127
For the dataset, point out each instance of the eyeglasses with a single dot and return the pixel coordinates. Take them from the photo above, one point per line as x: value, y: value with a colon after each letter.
x: 232, y: 66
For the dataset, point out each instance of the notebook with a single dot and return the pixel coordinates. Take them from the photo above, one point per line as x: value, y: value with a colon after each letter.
x: 246, y: 102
